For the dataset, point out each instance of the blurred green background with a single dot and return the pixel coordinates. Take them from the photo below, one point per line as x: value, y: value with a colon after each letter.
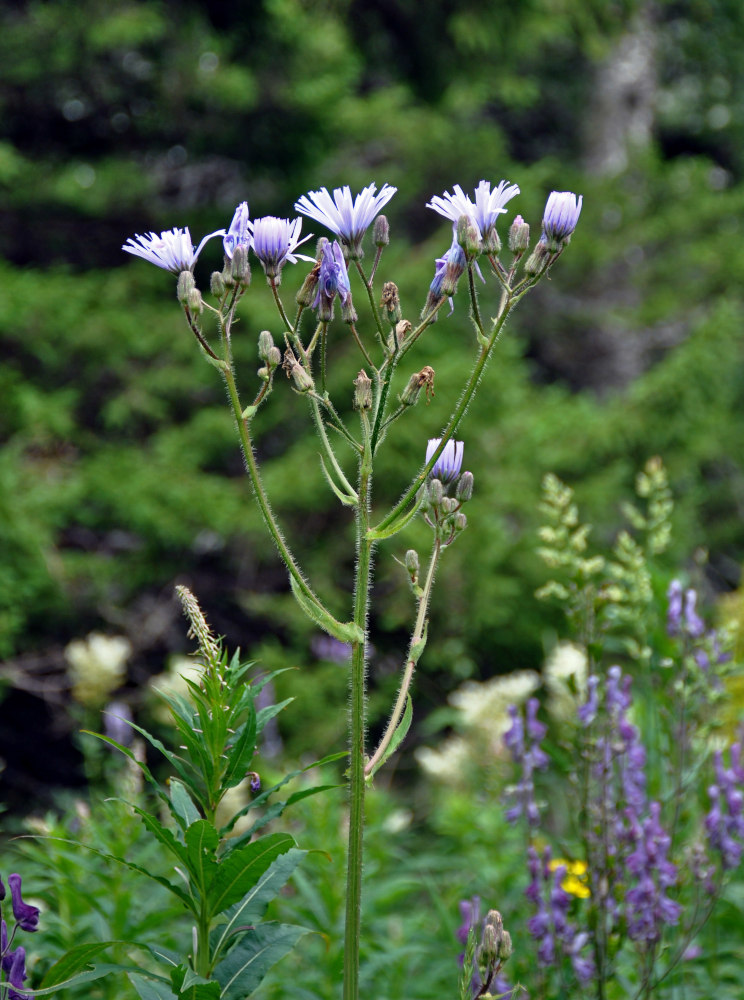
x: 120, y: 473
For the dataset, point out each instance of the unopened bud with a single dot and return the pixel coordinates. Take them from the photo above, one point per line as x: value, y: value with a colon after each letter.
x: 464, y: 490
x: 390, y: 302
x: 412, y: 563
x: 194, y: 300
x: 348, y: 312
x: 489, y: 949
x: 241, y: 269
x: 227, y: 275
x: 274, y: 357
x: 449, y: 505
x: 381, y: 231
x: 217, y: 284
x: 506, y: 946
x: 265, y: 343
x: 186, y: 284
x: 362, y: 391
x: 263, y: 373
x: 468, y: 237
x: 538, y: 259
x: 460, y: 521
x: 436, y: 492
x: 519, y: 235
x: 302, y: 380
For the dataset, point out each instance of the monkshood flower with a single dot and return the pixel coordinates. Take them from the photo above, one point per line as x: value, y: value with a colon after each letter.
x: 239, y: 233
x: 348, y: 218
x: 484, y: 212
x: 172, y: 250
x: 27, y: 916
x: 560, y: 217
x: 333, y: 280
x: 724, y: 824
x: 522, y: 740
x: 14, y: 966
x: 648, y: 907
x: 275, y: 243
x: 447, y: 466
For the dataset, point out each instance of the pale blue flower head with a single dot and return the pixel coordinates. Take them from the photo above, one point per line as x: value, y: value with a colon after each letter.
x: 348, y: 218
x: 172, y: 250
x: 239, y: 234
x: 447, y: 466
x: 483, y: 212
x: 561, y: 215
x: 275, y: 243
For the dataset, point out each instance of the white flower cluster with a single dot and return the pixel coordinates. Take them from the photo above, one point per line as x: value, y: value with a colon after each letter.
x: 96, y: 666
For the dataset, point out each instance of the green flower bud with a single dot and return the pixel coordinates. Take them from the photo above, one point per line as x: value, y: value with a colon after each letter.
x: 449, y: 505
x: 362, y: 391
x: 436, y: 492
x: 468, y: 237
x: 538, y: 259
x: 348, y: 312
x: 460, y: 521
x: 217, y: 284
x: 274, y: 357
x: 306, y: 295
x: 241, y: 269
x: 381, y: 231
x: 519, y: 235
x: 265, y: 343
x: 186, y: 284
x: 412, y: 563
x: 302, y: 380
x: 194, y: 300
x: 464, y: 490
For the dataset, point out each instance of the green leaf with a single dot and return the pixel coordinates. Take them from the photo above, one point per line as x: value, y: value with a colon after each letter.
x: 182, y: 804
x: 151, y: 989
x: 202, y: 840
x: 190, y: 986
x: 241, y: 869
x: 161, y: 833
x: 252, y: 906
x: 241, y: 755
x: 401, y: 731
x: 73, y: 962
x: 378, y: 534
x: 343, y: 631
x: 240, y: 973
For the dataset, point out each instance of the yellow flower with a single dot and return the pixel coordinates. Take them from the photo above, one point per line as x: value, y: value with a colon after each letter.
x: 574, y: 881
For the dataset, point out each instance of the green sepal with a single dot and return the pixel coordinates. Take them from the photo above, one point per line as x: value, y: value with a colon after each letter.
x: 344, y: 632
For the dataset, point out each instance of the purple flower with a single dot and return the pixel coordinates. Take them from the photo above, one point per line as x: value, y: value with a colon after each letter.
x: 275, y: 242
x: 483, y: 213
x: 470, y: 914
x: 16, y: 972
x: 647, y: 905
x: 2, y: 890
x: 447, y: 466
x: 348, y: 219
x: 674, y: 611
x: 560, y: 217
x: 255, y: 782
x: 117, y: 722
x: 724, y: 823
x: 333, y: 280
x: 528, y: 758
x: 239, y: 233
x: 693, y: 622
x: 172, y: 250
x: 27, y: 916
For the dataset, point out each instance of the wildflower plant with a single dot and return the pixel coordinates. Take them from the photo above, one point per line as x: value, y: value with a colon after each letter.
x: 341, y: 277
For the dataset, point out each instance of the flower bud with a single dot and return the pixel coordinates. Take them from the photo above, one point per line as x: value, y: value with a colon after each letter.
x: 263, y: 374
x: 390, y: 302
x: 381, y: 231
x: 217, y: 284
x: 348, y: 312
x: 302, y: 380
x: 362, y: 391
x: 265, y: 343
x: 460, y: 521
x: 186, y: 284
x: 449, y: 505
x: 538, y: 259
x: 464, y: 490
x: 412, y: 563
x: 519, y: 235
x: 274, y: 357
x: 468, y: 237
x: 241, y: 269
x: 436, y: 492
x: 306, y: 295
x: 194, y: 301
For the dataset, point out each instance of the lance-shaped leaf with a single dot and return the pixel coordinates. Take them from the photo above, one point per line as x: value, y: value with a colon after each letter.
x: 201, y: 845
x: 241, y: 869
x: 245, y: 966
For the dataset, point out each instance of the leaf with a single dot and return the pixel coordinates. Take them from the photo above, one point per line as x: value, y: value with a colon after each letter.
x: 378, y: 534
x: 160, y: 832
x: 240, y: 973
x: 269, y: 712
x: 241, y: 755
x: 182, y: 804
x: 151, y: 989
x: 401, y: 731
x: 73, y: 961
x: 240, y: 870
x: 252, y: 906
x: 190, y: 986
x: 201, y: 844
x: 343, y: 631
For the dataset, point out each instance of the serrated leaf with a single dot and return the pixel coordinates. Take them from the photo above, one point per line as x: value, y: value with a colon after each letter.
x: 239, y: 871
x: 243, y: 969
x: 252, y: 906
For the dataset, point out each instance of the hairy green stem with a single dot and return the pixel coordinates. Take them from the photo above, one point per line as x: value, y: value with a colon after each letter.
x: 410, y: 667
x: 357, y: 726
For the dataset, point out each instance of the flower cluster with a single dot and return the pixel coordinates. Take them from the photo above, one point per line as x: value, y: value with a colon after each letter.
x: 487, y: 957
x: 522, y: 740
x: 724, y: 824
x: 684, y: 622
x: 13, y: 960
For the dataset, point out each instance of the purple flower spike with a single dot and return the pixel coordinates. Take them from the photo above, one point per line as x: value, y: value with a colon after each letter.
x: 694, y: 623
x: 275, y: 242
x: 172, y: 250
x: 348, y: 219
x: 238, y: 235
x: 27, y: 916
x: 447, y: 466
x: 561, y: 215
x: 674, y: 612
